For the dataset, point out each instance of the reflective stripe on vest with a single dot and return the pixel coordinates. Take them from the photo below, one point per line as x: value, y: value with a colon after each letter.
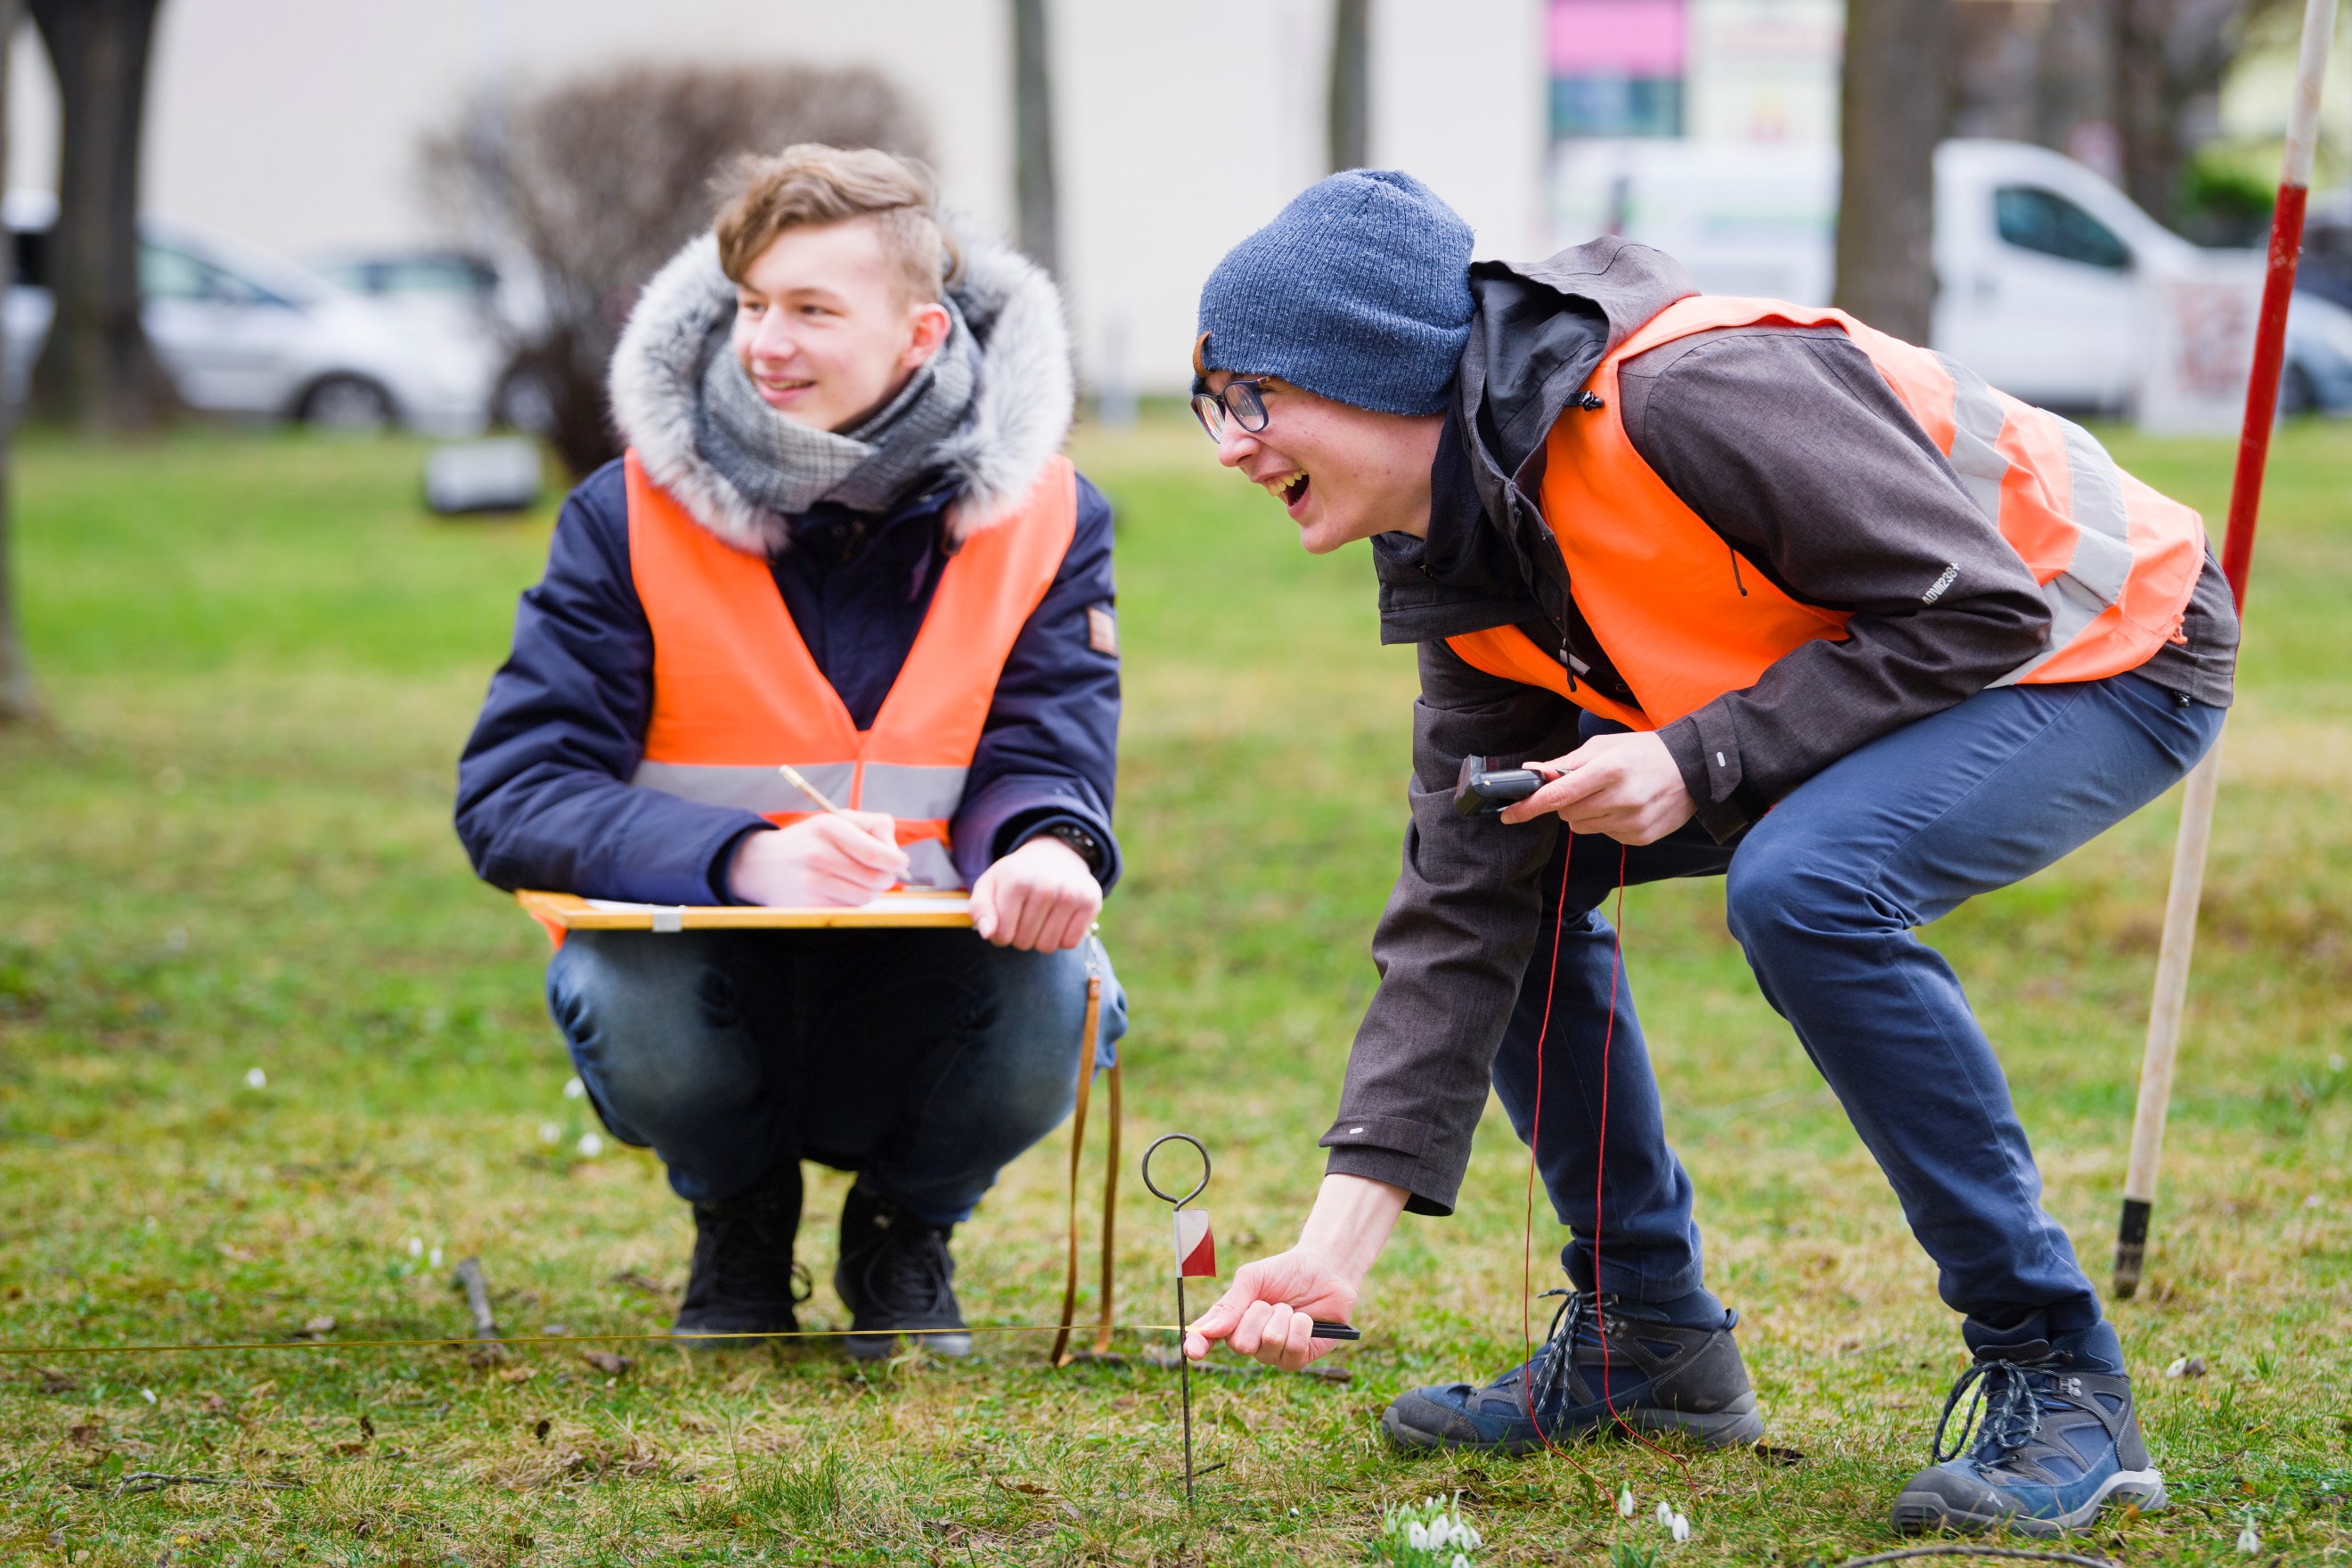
x: 2116, y: 560
x: 736, y: 691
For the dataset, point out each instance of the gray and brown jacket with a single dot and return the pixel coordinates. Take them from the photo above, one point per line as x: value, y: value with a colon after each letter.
x: 1787, y: 442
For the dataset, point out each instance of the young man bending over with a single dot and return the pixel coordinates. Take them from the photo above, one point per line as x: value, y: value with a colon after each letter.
x: 1772, y: 596
x: 842, y: 539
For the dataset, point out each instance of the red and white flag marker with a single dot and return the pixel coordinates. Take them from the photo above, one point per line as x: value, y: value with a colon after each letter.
x: 2237, y: 557
x: 1196, y: 1249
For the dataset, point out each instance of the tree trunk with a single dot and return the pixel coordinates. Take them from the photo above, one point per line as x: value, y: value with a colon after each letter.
x: 18, y: 700
x: 2170, y: 56
x: 1894, y: 98
x: 97, y: 371
x: 1033, y: 137
x: 1349, y: 111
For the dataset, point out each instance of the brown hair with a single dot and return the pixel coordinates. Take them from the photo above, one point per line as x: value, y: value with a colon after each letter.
x: 810, y: 184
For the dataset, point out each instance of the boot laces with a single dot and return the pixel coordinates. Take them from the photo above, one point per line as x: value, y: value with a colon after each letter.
x: 2009, y: 1397
x: 1548, y: 1378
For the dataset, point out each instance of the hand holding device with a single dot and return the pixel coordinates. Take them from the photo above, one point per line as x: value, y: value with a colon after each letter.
x: 1271, y: 1313
x: 1625, y: 786
x: 1481, y: 791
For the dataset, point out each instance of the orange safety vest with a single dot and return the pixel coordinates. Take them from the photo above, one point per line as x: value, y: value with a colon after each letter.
x: 735, y: 692
x: 2116, y: 561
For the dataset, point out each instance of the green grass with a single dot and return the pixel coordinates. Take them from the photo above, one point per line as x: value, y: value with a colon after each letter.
x: 231, y: 851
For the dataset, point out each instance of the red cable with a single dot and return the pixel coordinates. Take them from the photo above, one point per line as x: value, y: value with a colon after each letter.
x: 1535, y: 1133
x: 1600, y: 1160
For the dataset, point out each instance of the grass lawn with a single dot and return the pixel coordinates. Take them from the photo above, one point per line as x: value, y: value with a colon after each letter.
x: 231, y: 852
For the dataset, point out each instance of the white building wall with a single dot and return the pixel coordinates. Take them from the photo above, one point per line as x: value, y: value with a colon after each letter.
x: 1461, y: 100
x: 295, y: 123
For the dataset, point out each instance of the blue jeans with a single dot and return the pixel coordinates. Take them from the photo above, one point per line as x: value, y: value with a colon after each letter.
x: 1823, y: 894
x: 924, y: 1060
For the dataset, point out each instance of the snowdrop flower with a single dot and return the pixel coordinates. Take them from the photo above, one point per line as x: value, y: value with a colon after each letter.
x: 255, y: 1078
x: 1666, y: 1514
x: 574, y: 1088
x: 148, y: 1394
x: 1625, y: 1503
x: 2248, y: 1542
x: 1681, y: 1528
x: 1416, y: 1535
x: 548, y: 1133
x: 1459, y: 1561
x: 590, y: 1145
x: 434, y: 1259
x: 416, y: 1246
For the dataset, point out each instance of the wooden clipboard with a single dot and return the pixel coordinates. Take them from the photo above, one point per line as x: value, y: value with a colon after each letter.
x: 561, y: 912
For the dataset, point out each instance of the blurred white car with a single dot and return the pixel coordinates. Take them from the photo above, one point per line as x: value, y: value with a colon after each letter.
x: 2052, y: 285
x: 246, y: 332
x: 458, y: 288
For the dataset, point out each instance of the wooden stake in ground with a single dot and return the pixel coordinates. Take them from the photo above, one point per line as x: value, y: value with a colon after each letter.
x: 478, y: 1298
x: 2164, y: 1016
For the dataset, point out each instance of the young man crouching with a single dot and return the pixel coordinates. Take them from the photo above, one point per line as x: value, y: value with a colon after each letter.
x: 1765, y: 594
x: 842, y: 539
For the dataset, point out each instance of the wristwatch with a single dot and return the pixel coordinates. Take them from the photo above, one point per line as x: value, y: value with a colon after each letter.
x: 1089, y: 846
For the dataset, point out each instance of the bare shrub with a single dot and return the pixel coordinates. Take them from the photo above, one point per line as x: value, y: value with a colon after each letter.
x: 600, y: 178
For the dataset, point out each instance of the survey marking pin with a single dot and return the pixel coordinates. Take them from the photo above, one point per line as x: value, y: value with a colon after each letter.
x: 1196, y: 1256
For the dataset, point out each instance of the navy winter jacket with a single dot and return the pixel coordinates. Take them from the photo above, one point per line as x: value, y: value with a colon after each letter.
x: 542, y: 794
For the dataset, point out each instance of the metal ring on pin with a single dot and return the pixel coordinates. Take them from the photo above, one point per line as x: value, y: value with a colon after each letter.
x: 1199, y: 1187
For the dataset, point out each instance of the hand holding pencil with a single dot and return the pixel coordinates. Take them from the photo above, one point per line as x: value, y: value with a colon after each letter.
x: 836, y: 857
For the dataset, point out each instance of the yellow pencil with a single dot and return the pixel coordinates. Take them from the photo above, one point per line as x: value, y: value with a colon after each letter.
x: 793, y: 777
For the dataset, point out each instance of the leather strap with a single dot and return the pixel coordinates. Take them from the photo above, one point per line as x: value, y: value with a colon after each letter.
x: 1110, y: 1214
x: 1059, y: 1355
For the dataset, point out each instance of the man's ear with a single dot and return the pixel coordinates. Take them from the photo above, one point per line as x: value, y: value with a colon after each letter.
x: 927, y: 329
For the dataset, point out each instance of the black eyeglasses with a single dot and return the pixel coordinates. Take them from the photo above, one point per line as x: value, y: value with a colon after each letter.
x: 1241, y: 399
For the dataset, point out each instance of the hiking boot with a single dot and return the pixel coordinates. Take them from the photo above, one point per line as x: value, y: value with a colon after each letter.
x: 1659, y: 1378
x: 2057, y: 1443
x: 896, y: 1277
x: 743, y: 1278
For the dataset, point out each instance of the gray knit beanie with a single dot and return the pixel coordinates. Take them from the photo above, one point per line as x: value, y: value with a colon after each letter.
x: 1360, y: 289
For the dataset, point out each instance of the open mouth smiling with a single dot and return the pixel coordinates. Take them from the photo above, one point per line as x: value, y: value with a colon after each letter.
x: 1290, y: 488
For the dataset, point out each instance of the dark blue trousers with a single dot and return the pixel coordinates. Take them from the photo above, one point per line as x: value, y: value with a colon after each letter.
x: 1824, y: 895
x: 924, y: 1060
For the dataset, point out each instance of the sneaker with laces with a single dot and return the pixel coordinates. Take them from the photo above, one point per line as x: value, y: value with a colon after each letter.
x: 896, y: 1277
x: 1655, y: 1376
x: 2057, y: 1442
x: 743, y: 1280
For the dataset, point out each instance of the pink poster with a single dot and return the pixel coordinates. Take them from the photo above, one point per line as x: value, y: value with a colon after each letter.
x: 1628, y: 38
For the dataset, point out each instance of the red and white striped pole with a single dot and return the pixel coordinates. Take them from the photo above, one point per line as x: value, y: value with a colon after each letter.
x: 2237, y: 556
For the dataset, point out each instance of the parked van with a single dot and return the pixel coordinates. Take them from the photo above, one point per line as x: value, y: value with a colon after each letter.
x: 2052, y: 284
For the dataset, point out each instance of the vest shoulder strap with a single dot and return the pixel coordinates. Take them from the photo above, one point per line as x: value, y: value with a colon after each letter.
x: 935, y: 713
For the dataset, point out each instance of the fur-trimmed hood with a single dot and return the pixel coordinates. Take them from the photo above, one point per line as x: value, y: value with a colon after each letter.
x: 1023, y: 395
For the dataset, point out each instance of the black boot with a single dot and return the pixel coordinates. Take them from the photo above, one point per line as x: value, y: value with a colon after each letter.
x: 1652, y: 1376
x: 896, y: 1277
x: 744, y: 1278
